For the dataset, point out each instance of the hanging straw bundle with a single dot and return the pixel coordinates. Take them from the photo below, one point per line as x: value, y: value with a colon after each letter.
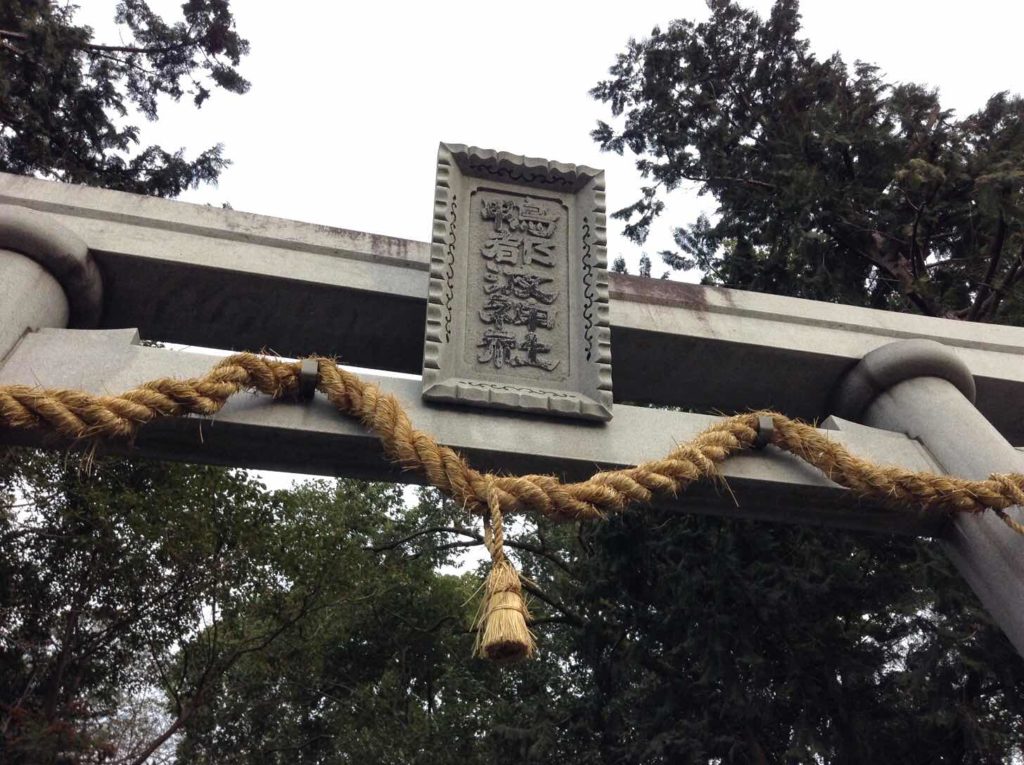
x: 502, y: 634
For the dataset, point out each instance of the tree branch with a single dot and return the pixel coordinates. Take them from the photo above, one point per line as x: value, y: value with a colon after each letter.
x: 906, y: 288
x: 902, y: 276
x: 1011, y: 278
x: 552, y: 620
x: 730, y: 179
x: 215, y: 669
x: 148, y: 51
x: 575, y: 619
x: 915, y: 257
x: 392, y: 544
x: 995, y: 255
x: 478, y: 540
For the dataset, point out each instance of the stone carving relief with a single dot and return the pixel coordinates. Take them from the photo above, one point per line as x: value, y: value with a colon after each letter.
x: 520, y: 255
x: 517, y: 316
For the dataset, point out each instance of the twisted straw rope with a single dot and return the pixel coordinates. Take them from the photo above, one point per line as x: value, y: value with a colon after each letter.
x: 78, y: 415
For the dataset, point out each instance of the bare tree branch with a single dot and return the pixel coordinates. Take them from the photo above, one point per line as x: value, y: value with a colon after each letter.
x: 573, y: 618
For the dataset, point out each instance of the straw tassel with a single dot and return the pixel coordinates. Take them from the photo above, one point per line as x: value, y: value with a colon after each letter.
x: 502, y: 634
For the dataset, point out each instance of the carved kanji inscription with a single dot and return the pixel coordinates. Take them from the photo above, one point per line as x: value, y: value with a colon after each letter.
x: 516, y: 282
x: 517, y: 316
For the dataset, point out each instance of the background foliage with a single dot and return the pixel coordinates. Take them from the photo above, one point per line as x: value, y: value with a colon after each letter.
x: 67, y: 101
x: 831, y: 183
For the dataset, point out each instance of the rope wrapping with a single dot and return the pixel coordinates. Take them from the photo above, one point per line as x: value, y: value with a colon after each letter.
x: 78, y: 415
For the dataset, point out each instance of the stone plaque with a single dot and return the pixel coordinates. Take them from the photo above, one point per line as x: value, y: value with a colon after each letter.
x: 517, y: 316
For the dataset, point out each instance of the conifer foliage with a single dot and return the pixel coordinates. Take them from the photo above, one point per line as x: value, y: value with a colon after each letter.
x: 832, y: 183
x: 67, y: 100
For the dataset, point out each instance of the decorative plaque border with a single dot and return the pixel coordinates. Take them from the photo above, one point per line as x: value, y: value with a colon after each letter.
x: 582, y: 386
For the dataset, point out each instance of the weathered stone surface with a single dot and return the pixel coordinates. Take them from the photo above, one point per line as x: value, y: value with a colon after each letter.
x: 191, y: 274
x: 204, y: 276
x: 62, y: 253
x: 517, y: 314
x: 30, y: 298
x: 923, y: 389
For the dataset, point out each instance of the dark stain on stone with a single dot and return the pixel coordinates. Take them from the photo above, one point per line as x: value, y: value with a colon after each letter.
x: 664, y: 292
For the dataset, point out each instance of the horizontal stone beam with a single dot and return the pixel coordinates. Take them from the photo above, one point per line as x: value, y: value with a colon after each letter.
x: 219, y: 278
x: 253, y: 431
x: 215, y: 278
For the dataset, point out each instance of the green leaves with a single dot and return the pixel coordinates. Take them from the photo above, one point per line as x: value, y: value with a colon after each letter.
x: 321, y: 624
x: 109, y: 567
x: 65, y: 95
x: 380, y: 669
x: 838, y: 184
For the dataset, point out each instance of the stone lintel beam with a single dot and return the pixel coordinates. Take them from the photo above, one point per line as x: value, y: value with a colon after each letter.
x: 203, y: 276
x: 254, y: 431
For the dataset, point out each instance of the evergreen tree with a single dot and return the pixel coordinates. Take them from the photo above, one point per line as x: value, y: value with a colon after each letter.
x: 381, y: 670
x: 664, y: 638
x: 697, y: 639
x: 105, y: 569
x: 65, y: 98
x: 831, y: 183
x: 103, y: 572
x: 750, y: 643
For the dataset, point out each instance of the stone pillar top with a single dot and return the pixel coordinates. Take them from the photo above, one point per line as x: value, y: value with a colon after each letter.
x: 885, y: 367
x: 62, y: 253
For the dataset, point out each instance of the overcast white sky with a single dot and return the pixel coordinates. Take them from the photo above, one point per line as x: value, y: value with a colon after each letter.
x: 349, y: 100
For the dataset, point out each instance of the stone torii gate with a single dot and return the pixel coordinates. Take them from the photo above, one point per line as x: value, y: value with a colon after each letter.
x: 518, y: 314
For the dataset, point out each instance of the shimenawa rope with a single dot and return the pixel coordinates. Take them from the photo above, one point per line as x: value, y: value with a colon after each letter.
x: 503, y: 633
